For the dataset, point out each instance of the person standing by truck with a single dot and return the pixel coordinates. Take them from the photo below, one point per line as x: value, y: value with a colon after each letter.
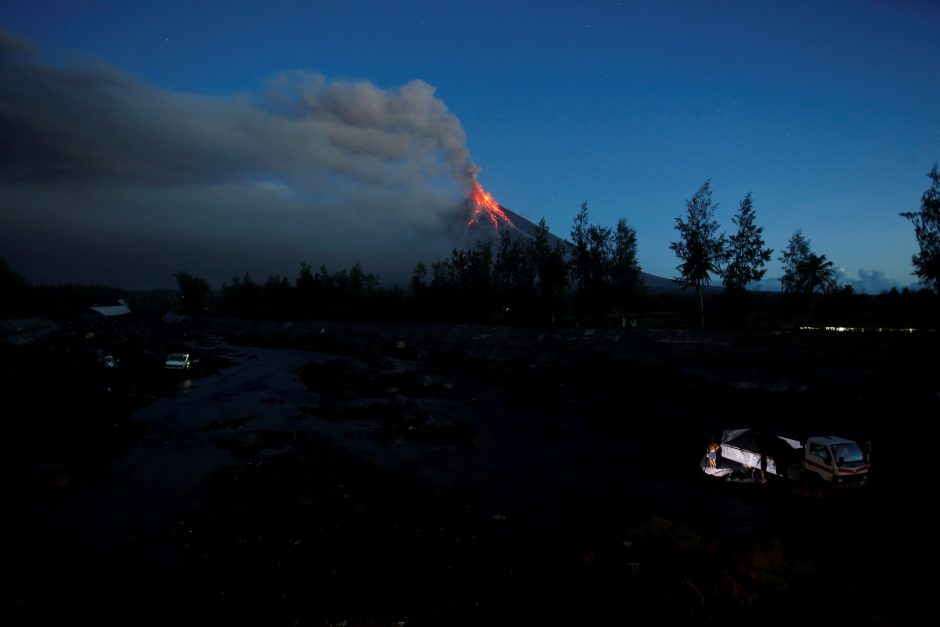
x: 711, y: 451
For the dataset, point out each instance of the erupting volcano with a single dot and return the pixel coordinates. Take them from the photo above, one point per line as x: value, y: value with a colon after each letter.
x: 482, y: 205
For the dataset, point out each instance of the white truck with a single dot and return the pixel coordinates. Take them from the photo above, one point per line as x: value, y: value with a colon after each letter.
x: 178, y: 361
x: 750, y: 455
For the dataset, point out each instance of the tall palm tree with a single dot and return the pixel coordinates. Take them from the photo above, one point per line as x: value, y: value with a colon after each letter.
x: 816, y: 275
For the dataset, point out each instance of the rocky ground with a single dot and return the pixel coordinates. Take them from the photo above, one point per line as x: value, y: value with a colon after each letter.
x: 371, y: 475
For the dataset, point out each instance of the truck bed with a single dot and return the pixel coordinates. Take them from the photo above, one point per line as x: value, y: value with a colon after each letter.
x: 746, y: 447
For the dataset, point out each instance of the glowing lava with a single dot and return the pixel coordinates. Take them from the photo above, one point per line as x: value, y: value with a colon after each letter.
x: 484, y: 205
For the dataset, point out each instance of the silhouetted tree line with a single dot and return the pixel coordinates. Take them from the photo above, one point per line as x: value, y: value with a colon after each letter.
x: 740, y: 260
x: 594, y: 279
x: 521, y: 280
x: 21, y: 299
x: 347, y: 294
x: 808, y: 283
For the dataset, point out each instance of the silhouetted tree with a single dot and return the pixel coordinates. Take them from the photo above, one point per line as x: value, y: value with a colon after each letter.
x: 306, y: 288
x: 324, y: 287
x: 600, y: 255
x: 581, y: 263
x: 419, y: 289
x: 817, y: 275
x: 444, y: 274
x: 462, y: 285
x: 243, y: 296
x: 360, y: 285
x: 550, y: 269
x: 700, y: 246
x: 927, y: 230
x: 278, y: 294
x: 513, y: 275
x: 193, y: 290
x: 804, y: 272
x: 597, y: 292
x: 419, y: 279
x: 625, y: 269
x: 477, y: 280
x: 795, y: 254
x: 592, y: 265
x: 746, y: 252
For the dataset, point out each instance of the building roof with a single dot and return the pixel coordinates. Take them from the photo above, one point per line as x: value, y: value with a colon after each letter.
x: 114, y: 310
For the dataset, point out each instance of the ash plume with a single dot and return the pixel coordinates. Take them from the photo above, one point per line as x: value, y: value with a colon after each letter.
x: 108, y: 179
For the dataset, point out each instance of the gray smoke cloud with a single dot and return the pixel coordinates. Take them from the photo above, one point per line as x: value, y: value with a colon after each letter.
x: 107, y: 179
x: 868, y: 281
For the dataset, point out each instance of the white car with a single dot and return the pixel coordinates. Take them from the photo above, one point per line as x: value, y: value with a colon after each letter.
x: 178, y: 361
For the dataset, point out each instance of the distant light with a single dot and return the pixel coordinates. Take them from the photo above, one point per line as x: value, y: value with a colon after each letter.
x: 840, y: 329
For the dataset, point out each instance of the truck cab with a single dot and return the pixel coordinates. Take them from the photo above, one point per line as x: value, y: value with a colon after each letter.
x: 836, y: 460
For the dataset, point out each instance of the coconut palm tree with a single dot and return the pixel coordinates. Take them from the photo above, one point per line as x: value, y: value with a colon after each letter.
x: 815, y: 275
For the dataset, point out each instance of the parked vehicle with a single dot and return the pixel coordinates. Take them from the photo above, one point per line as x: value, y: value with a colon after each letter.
x: 178, y: 361
x: 750, y: 455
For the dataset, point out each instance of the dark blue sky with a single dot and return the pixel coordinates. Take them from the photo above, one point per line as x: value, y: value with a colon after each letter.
x: 826, y: 111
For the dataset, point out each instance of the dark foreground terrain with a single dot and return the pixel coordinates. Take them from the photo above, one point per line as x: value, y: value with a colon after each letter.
x: 364, y: 475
